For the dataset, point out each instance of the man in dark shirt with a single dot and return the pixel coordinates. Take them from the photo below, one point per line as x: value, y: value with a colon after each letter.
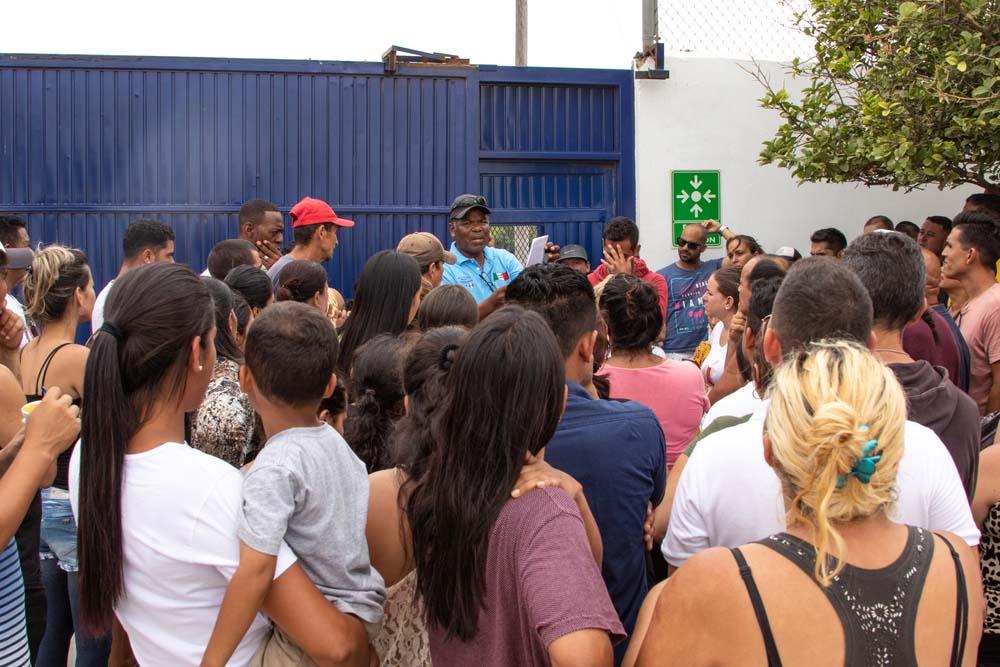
x: 891, y: 267
x: 616, y: 450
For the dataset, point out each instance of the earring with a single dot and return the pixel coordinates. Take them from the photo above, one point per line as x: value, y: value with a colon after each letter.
x: 200, y: 368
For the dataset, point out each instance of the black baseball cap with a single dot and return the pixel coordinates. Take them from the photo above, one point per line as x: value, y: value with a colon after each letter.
x: 15, y: 258
x: 573, y: 252
x: 465, y: 203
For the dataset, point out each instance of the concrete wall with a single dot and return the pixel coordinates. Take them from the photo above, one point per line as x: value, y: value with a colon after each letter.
x: 706, y: 117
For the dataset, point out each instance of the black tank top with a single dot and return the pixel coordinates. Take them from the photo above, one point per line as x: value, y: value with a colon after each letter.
x: 877, y: 608
x: 62, y: 462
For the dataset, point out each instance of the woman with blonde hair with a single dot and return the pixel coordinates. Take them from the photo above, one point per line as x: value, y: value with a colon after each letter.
x: 59, y: 296
x: 902, y: 595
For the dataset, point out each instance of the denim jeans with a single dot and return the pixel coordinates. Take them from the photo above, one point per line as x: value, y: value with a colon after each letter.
x: 59, y: 576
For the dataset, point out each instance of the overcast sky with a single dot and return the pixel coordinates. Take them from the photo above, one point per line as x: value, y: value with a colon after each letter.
x: 565, y: 33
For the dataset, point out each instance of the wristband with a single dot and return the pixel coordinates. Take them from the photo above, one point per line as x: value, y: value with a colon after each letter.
x: 723, y: 228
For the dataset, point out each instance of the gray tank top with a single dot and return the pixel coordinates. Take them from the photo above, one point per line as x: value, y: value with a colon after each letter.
x: 877, y: 608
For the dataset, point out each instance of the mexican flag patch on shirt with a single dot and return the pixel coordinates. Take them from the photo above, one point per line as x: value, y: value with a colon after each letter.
x: 501, y: 275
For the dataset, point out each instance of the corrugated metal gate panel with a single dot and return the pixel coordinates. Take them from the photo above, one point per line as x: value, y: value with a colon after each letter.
x: 89, y: 144
x: 556, y: 150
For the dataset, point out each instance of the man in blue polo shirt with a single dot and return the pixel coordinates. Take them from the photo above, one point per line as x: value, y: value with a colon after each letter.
x: 482, y: 270
x: 615, y: 449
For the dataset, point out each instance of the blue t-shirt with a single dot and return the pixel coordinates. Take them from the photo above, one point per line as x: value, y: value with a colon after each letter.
x: 498, y: 270
x: 616, y: 450
x: 687, y: 323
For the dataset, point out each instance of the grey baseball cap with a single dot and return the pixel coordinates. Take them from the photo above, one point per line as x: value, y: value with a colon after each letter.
x: 573, y: 252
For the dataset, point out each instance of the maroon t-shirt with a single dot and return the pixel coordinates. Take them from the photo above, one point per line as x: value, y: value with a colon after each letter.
x: 541, y: 584
x: 937, y: 347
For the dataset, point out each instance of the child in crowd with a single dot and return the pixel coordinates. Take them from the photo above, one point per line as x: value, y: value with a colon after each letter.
x: 306, y: 486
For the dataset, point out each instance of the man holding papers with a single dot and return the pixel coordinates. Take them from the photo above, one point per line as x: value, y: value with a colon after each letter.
x: 485, y: 272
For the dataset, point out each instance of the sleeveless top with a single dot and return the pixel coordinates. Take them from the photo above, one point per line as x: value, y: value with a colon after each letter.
x: 877, y: 608
x: 402, y: 641
x: 989, y: 560
x: 62, y: 462
x: 13, y: 630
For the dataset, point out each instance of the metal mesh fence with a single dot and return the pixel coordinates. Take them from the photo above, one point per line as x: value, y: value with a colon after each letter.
x: 741, y: 29
x: 515, y: 239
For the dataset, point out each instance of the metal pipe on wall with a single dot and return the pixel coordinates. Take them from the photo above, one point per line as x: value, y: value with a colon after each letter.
x: 521, y: 33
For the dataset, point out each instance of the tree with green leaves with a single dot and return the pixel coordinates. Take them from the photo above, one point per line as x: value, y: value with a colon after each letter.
x: 899, y: 94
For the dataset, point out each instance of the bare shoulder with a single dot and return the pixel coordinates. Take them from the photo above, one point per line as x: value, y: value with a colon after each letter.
x: 968, y: 555
x: 8, y: 381
x: 383, y: 490
x: 697, y: 603
x: 386, y: 481
x: 75, y: 352
x: 709, y: 581
x: 989, y: 462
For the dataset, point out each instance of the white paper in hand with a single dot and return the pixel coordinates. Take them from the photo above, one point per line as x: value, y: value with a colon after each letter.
x: 537, y: 252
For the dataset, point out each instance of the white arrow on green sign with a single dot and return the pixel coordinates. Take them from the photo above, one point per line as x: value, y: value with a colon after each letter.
x: 695, y: 198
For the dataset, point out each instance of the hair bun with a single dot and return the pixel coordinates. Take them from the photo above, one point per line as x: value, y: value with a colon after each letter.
x: 642, y: 297
x: 289, y: 290
x: 448, y: 357
x: 839, y: 435
x: 368, y: 401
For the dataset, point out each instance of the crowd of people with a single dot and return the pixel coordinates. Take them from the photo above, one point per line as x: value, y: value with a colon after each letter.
x: 573, y: 463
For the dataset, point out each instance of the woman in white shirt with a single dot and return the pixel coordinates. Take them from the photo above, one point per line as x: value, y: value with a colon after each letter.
x: 157, y: 519
x: 722, y: 299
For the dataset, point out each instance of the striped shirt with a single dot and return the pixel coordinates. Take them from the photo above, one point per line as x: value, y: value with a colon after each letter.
x: 13, y: 630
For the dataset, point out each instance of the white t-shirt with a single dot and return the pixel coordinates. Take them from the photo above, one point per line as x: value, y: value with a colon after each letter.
x: 715, y: 363
x: 740, y: 403
x: 97, y: 318
x: 729, y: 496
x: 14, y: 306
x: 180, y: 512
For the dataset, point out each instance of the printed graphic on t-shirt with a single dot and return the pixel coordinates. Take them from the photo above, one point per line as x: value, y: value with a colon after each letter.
x: 687, y: 312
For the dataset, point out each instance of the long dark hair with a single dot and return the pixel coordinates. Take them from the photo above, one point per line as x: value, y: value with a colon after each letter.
x: 225, y: 338
x: 300, y: 281
x: 376, y: 393
x: 153, y: 313
x: 503, y: 398
x: 382, y: 300
x: 424, y: 372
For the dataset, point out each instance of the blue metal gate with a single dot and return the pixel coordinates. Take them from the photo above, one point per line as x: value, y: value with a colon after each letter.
x: 89, y: 143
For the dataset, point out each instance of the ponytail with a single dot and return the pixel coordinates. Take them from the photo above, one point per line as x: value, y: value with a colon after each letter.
x: 102, y: 578
x: 138, y: 359
x: 376, y: 390
x: 835, y: 425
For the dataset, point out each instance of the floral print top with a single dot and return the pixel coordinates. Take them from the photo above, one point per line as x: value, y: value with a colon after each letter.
x: 224, y: 424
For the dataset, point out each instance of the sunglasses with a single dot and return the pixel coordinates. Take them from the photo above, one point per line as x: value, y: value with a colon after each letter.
x: 683, y: 243
x: 471, y: 200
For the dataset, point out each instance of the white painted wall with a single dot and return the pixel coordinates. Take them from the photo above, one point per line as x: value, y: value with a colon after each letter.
x: 706, y: 117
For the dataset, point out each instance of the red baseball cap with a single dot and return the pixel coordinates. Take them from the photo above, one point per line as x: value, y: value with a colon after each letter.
x: 311, y: 211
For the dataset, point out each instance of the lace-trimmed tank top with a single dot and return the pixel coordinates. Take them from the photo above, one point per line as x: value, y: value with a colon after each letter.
x: 402, y: 641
